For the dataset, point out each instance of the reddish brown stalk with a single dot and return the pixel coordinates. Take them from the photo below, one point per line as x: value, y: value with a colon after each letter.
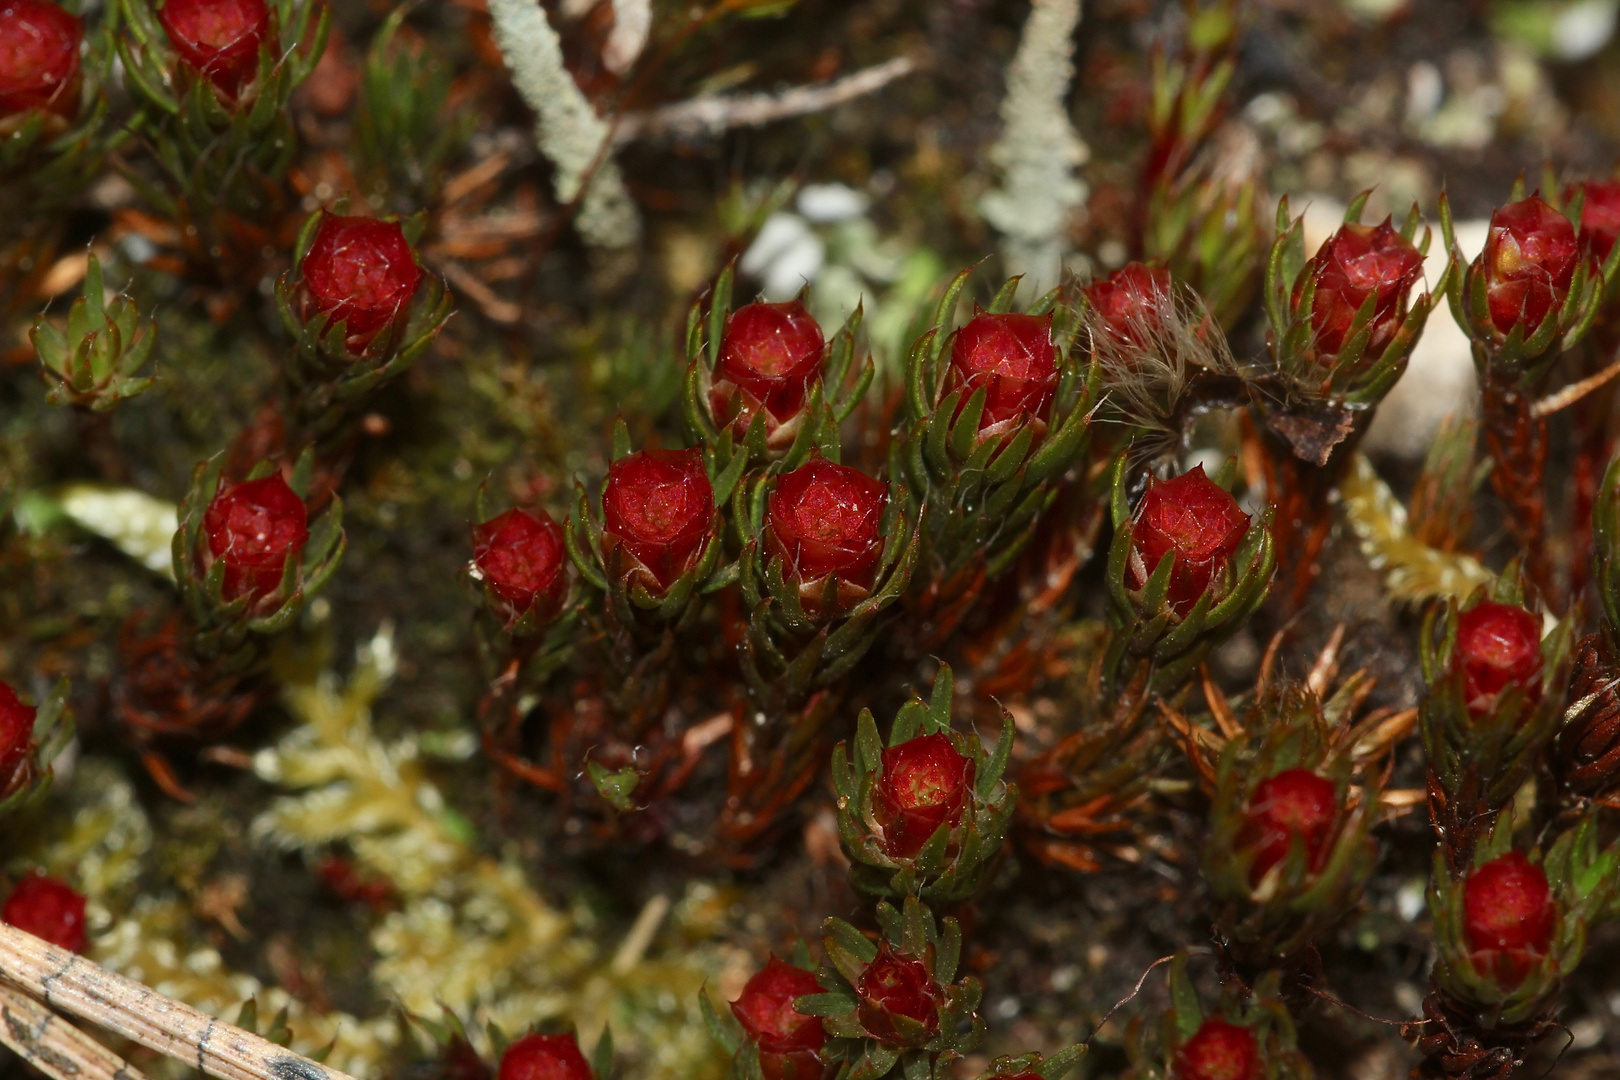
x: 767, y: 774
x: 1517, y: 441
x: 1300, y: 491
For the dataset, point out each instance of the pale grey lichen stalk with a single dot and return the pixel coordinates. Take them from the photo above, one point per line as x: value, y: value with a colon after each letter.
x: 567, y: 129
x: 1039, y: 149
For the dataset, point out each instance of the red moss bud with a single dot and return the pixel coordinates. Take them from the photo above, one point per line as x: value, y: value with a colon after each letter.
x: 1218, y: 1051
x: 788, y: 1040
x: 521, y: 555
x: 1197, y: 519
x: 362, y: 272
x: 16, y: 735
x: 1360, y: 261
x: 657, y: 507
x: 1508, y: 917
x: 544, y: 1057
x: 897, y: 986
x: 1130, y: 299
x: 220, y: 38
x: 1600, y: 218
x: 825, y: 519
x: 924, y: 785
x: 47, y: 908
x: 254, y: 528
x: 1012, y: 357
x: 1498, y: 645
x: 1529, y: 259
x: 1294, y: 803
x: 768, y: 357
x: 39, y: 57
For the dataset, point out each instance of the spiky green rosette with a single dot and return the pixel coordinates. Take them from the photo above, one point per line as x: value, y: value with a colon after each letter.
x: 1354, y: 376
x: 814, y: 422
x: 1211, y: 236
x: 224, y: 630
x: 1522, y: 357
x: 53, y: 730
x: 896, y: 1008
x: 1146, y: 626
x: 1170, y: 1045
x: 959, y: 856
x: 404, y: 137
x: 1478, y: 758
x: 223, y: 158
x: 93, y: 361
x: 541, y: 636
x: 1583, y: 878
x: 805, y: 637
x: 983, y: 492
x: 636, y: 602
x: 328, y: 378
x: 1288, y: 849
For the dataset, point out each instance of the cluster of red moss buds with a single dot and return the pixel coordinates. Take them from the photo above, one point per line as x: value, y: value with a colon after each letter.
x: 1508, y: 917
x: 657, y: 516
x: 1012, y: 358
x: 769, y: 355
x: 360, y: 272
x: 39, y: 58
x: 788, y: 1042
x: 1358, y: 264
x: 1198, y: 522
x: 545, y: 1057
x: 218, y: 38
x: 49, y: 909
x: 256, y: 528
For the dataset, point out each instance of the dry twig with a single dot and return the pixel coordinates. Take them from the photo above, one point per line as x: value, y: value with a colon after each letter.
x: 73, y: 984
x: 714, y: 114
x: 53, y: 1046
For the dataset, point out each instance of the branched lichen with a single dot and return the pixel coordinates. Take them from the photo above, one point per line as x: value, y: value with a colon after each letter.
x: 1039, y: 149
x: 567, y: 129
x: 471, y: 934
x: 152, y: 938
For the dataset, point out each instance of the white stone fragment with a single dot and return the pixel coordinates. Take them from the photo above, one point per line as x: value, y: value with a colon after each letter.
x: 139, y: 525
